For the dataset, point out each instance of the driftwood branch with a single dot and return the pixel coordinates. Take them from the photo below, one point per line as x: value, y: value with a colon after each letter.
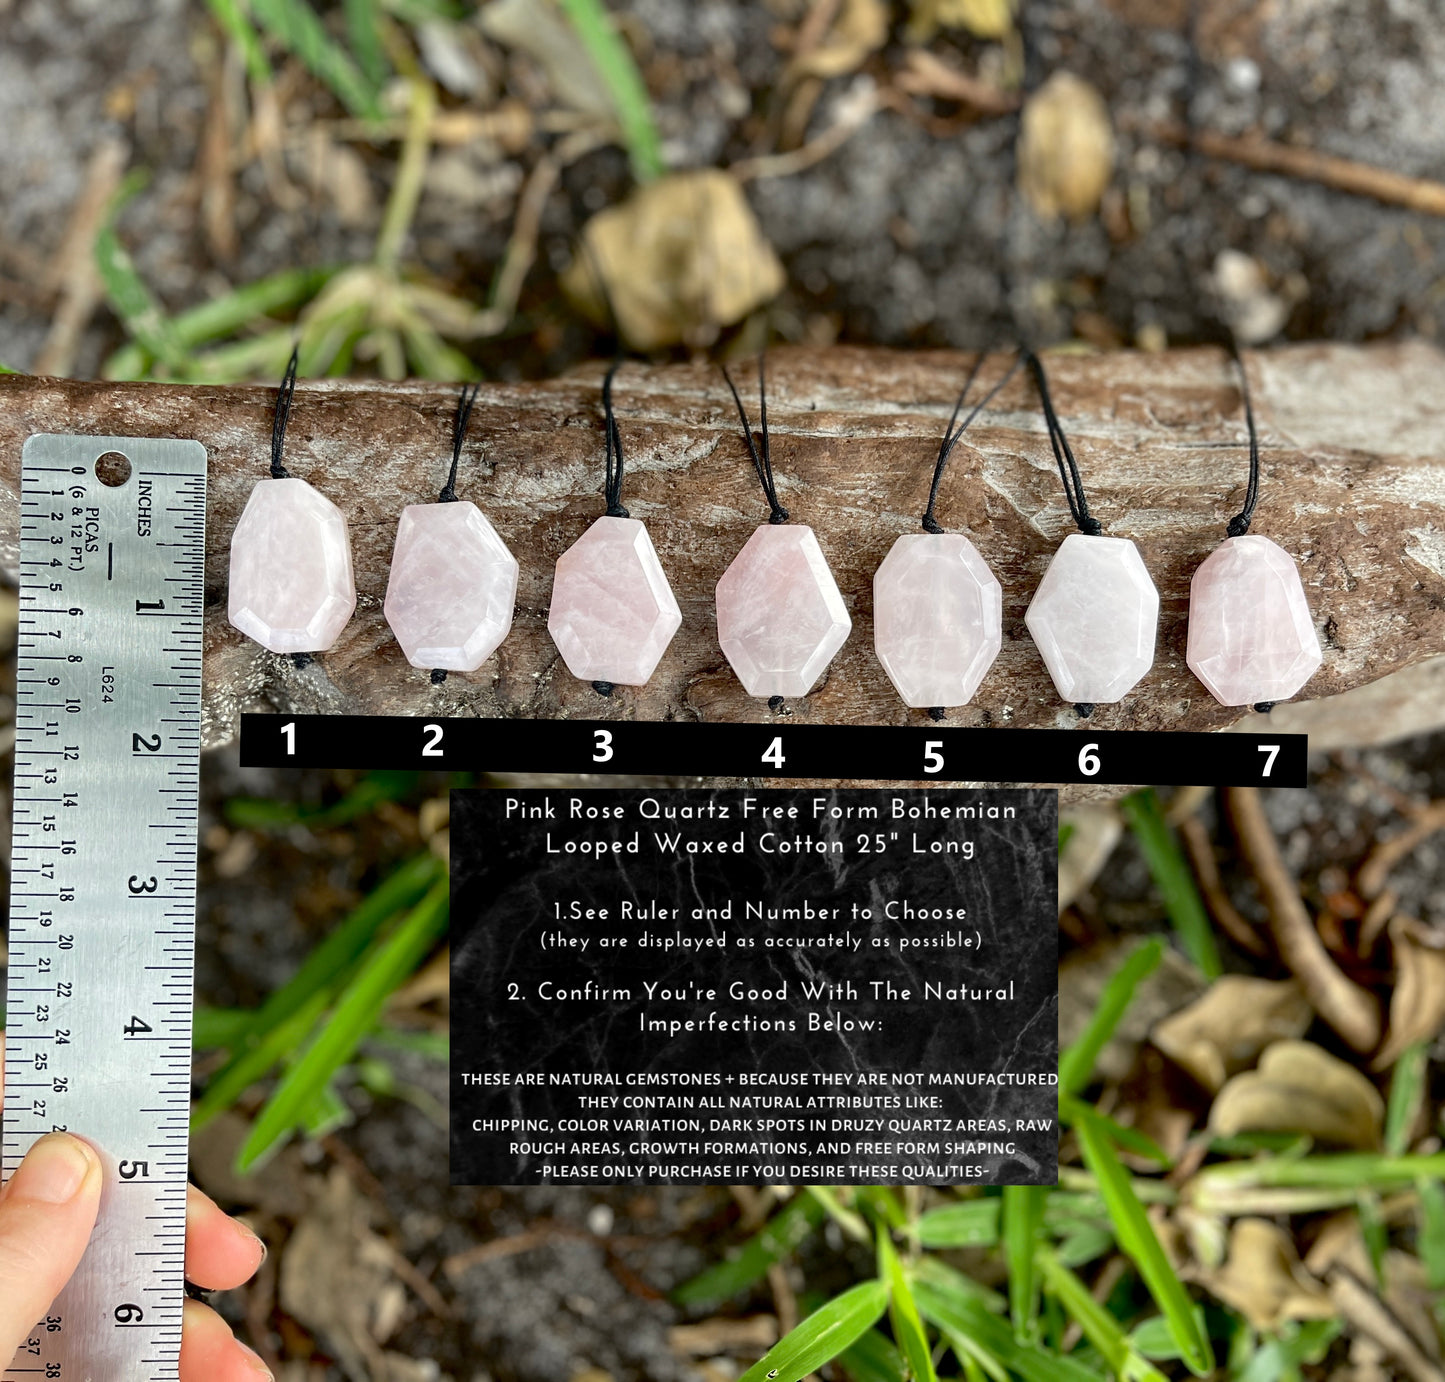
x: 1353, y: 486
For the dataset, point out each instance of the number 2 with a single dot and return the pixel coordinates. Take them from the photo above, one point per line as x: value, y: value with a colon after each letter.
x: 431, y: 749
x: 1273, y: 751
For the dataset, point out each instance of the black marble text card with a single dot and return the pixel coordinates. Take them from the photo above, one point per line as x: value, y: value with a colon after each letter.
x: 771, y: 986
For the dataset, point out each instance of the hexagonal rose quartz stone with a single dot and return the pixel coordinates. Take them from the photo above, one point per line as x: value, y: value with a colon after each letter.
x: 291, y: 587
x: 937, y: 618
x: 1251, y: 636
x: 613, y: 613
x: 780, y: 618
x: 453, y: 586
x: 1094, y: 617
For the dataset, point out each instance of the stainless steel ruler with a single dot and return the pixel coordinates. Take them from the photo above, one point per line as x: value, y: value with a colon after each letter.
x: 103, y: 890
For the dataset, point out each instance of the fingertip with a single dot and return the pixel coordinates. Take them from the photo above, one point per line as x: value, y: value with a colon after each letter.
x: 211, y: 1353
x: 221, y: 1252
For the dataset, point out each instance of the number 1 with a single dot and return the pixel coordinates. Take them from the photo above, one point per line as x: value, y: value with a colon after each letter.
x: 288, y: 733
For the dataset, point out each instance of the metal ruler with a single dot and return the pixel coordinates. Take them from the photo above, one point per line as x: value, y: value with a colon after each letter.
x: 103, y: 884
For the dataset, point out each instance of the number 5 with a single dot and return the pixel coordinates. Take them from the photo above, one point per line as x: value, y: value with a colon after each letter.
x: 1273, y: 751
x: 932, y: 759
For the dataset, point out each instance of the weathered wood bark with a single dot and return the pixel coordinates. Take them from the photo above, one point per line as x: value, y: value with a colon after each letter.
x: 1353, y: 486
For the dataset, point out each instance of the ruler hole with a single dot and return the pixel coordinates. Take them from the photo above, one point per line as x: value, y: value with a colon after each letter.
x: 113, y: 469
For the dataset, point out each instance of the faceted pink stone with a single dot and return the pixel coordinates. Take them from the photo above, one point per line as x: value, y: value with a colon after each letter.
x: 452, y: 588
x: 1251, y: 637
x: 937, y: 618
x: 1094, y: 618
x: 291, y: 586
x: 613, y: 612
x: 780, y: 618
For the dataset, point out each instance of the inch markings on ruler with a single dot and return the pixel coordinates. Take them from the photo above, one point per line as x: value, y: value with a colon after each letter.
x: 103, y: 882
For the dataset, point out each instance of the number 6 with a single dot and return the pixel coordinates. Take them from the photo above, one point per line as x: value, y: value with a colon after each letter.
x: 1089, y: 760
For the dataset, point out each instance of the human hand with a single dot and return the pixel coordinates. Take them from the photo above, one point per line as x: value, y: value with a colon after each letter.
x: 47, y: 1211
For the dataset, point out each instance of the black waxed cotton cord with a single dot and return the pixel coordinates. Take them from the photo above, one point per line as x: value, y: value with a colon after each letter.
x: 612, y: 488
x: 762, y: 459
x: 1064, y: 454
x: 953, y: 432
x: 1239, y: 524
x: 283, y: 416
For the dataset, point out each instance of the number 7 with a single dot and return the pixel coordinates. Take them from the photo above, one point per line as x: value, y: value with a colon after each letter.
x: 1273, y: 751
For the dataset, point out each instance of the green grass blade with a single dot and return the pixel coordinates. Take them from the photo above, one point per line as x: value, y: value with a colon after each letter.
x: 130, y: 299
x: 364, y: 34
x: 1173, y: 879
x: 783, y: 1233
x: 295, y: 25
x: 385, y: 967
x: 1023, y: 1212
x: 1432, y: 1231
x: 287, y: 1017
x: 1130, y: 1139
x: 594, y: 28
x: 908, y: 1331
x: 872, y: 1358
x: 1136, y: 1237
x: 1407, y: 1093
x: 231, y: 16
x: 214, y: 1028
x: 882, y: 1202
x: 822, y: 1336
x: 1100, y: 1328
x: 1076, y: 1065
x: 972, y: 1330
x: 1154, y: 1338
x: 5, y: 369
x: 970, y: 1225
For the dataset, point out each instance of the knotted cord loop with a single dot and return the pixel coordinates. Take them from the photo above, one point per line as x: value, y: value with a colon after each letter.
x: 612, y: 488
x: 459, y: 436
x: 1063, y: 454
x: 283, y: 416
x: 951, y: 435
x: 1239, y: 524
x: 762, y: 460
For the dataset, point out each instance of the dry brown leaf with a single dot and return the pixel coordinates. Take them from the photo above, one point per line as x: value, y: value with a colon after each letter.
x: 754, y: 1334
x: 859, y: 31
x: 337, y: 1278
x: 681, y: 258
x: 1299, y: 1087
x: 1066, y: 148
x: 1095, y: 830
x: 1262, y: 1278
x: 1223, y: 1032
x: 1417, y: 1005
x: 988, y: 19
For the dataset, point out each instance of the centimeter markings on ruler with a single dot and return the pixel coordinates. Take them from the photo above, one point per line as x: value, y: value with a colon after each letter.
x: 103, y: 883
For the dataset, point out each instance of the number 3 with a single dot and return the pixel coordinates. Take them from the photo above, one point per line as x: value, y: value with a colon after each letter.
x: 603, y: 746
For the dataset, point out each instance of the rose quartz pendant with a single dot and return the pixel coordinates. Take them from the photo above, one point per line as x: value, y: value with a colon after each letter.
x: 1251, y: 637
x: 291, y: 587
x: 613, y: 613
x: 1094, y: 618
x: 937, y: 618
x: 452, y: 588
x: 780, y: 618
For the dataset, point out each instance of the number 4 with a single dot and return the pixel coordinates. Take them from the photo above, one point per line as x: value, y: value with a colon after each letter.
x: 774, y: 753
x: 1273, y: 751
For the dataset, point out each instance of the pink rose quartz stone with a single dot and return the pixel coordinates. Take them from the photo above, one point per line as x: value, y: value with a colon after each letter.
x: 1251, y: 637
x: 291, y: 587
x: 452, y: 588
x: 937, y: 618
x: 613, y: 612
x: 780, y: 618
x: 1094, y: 618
